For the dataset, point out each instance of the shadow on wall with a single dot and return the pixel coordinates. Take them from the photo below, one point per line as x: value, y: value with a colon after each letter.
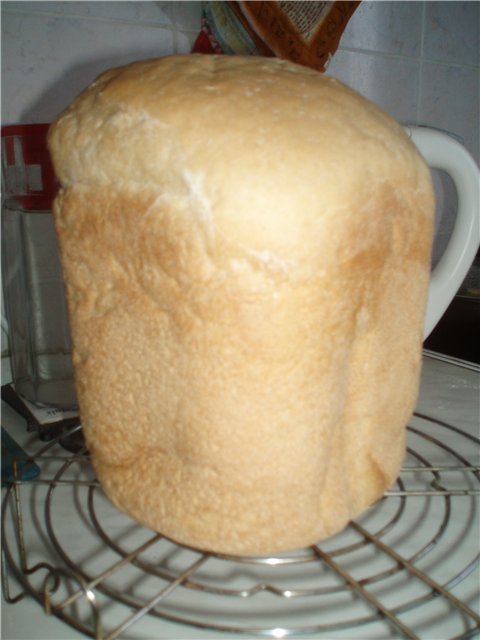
x: 59, y: 95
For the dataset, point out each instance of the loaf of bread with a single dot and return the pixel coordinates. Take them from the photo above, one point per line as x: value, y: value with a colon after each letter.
x: 246, y: 249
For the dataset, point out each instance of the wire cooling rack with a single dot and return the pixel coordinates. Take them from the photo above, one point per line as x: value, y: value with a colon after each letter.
x: 408, y: 567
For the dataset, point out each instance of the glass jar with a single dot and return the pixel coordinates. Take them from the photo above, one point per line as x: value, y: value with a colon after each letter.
x: 35, y: 306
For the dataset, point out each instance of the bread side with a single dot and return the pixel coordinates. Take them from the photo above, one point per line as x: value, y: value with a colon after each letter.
x: 246, y: 295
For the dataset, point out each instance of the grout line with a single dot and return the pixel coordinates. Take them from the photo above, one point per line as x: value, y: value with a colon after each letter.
x: 421, y: 64
x: 400, y: 56
x: 80, y: 16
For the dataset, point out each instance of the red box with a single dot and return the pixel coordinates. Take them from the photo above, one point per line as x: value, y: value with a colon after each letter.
x: 27, y: 171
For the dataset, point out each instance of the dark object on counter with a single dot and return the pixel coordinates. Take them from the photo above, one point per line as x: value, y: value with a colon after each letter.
x: 67, y: 430
x: 457, y: 333
x: 16, y: 464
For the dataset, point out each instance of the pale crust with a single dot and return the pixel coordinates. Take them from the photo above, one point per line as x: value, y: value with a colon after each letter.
x: 246, y: 248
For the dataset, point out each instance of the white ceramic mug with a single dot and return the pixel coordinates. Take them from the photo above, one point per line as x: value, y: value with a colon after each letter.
x: 443, y: 152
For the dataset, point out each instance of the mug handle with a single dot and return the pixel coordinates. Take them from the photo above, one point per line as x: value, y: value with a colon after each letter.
x: 441, y: 151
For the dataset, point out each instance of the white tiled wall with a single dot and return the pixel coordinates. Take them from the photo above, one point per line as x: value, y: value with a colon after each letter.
x: 419, y: 60
x: 51, y: 50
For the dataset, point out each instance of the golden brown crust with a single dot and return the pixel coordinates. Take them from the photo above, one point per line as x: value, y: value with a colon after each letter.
x: 246, y: 250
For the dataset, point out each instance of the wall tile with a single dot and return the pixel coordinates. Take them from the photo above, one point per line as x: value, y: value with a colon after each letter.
x: 47, y: 60
x: 449, y: 100
x: 452, y: 32
x: 390, y: 82
x: 187, y: 15
x: 388, y: 27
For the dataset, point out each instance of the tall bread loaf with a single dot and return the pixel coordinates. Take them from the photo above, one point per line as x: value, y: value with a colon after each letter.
x: 246, y: 247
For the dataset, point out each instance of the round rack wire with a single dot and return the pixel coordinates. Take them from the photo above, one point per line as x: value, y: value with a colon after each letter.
x: 408, y: 567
